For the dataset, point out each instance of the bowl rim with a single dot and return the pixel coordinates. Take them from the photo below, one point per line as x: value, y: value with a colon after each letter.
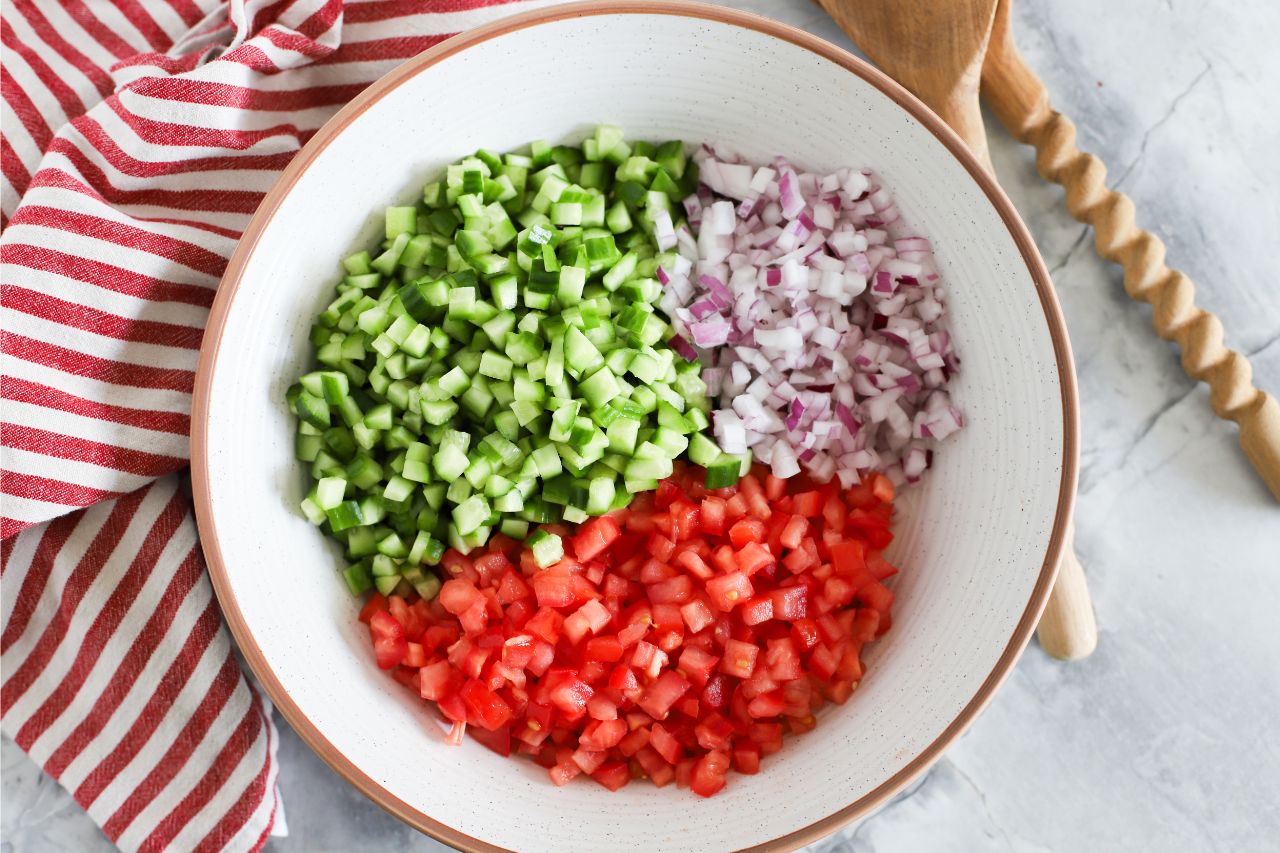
x: 271, y: 203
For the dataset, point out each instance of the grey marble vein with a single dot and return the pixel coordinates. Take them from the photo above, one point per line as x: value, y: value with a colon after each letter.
x: 1168, y: 738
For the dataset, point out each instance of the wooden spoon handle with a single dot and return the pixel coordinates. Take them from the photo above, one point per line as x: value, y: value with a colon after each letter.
x: 962, y: 111
x: 1020, y: 101
x: 1067, y: 629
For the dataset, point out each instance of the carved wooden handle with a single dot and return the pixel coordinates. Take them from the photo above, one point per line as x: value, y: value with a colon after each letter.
x: 1020, y: 101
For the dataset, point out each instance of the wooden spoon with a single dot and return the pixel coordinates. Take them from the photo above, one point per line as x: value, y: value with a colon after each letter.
x: 936, y: 49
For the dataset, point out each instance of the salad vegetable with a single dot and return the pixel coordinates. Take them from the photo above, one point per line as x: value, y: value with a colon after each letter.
x: 498, y: 361
x: 676, y: 640
x: 822, y: 315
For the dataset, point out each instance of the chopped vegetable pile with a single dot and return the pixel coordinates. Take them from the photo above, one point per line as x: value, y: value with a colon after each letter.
x: 500, y: 363
x: 822, y: 313
x: 511, y: 434
x: 674, y: 640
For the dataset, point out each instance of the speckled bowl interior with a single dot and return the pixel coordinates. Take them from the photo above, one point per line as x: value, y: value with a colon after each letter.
x: 974, y: 540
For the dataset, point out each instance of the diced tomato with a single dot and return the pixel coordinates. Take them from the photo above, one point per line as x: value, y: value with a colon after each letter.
x: 389, y: 644
x: 667, y: 494
x: 684, y: 773
x: 569, y: 693
x: 398, y: 608
x: 654, y: 765
x: 877, y: 596
x: 661, y: 548
x: 665, y: 744
x: 547, y: 624
x: 498, y: 740
x: 759, y: 682
x: 697, y: 615
x: 882, y: 488
x: 757, y: 610
x: 613, y: 775
x: 484, y: 707
x: 840, y: 691
x: 746, y: 531
x: 637, y: 626
x: 666, y: 617
x: 587, y: 619
x: 517, y: 651
x: 753, y: 557
x: 774, y: 487
x: 606, y: 649
x: 796, y: 529
x: 766, y: 705
x: 802, y: 723
x: 601, y: 707
x: 697, y: 665
x: 684, y: 520
x: 849, y: 557
x: 512, y: 587
x: 635, y: 741
x: 768, y: 736
x: 790, y: 603
x: 623, y: 678
x: 803, y: 558
x: 615, y: 586
x: 865, y: 624
x: 730, y: 616
x: 693, y: 563
x: 414, y: 655
x: 714, y: 731
x: 715, y: 694
x: 594, y: 537
x: 739, y: 659
x: 437, y: 680
x: 458, y: 566
x: 658, y: 697
x: 783, y: 660
x: 377, y: 601
x: 554, y: 589
x: 746, y: 761
x: 458, y: 595
x: 668, y: 640
x: 563, y: 774
x: 491, y: 566
x: 713, y: 515
x: 648, y: 658
x: 709, y: 773
x: 823, y: 662
x: 439, y: 637
x: 728, y: 591
x: 601, y: 735
x: 676, y: 590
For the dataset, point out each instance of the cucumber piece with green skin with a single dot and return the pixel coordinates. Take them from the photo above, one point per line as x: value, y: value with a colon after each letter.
x: 725, y: 471
x: 547, y: 548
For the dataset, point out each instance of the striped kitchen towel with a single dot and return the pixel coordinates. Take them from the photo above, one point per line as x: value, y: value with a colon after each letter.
x: 138, y: 137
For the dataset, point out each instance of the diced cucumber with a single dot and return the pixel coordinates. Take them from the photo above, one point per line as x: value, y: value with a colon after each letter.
x: 547, y: 548
x: 725, y: 471
x: 499, y: 361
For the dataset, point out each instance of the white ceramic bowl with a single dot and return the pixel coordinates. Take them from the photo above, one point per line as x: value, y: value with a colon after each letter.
x: 978, y: 541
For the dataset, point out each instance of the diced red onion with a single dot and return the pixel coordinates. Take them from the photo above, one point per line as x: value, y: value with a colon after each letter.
x: 682, y: 346
x: 710, y: 333
x: 825, y: 350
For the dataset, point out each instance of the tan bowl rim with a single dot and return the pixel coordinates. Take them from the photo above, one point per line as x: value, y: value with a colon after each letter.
x: 347, y: 768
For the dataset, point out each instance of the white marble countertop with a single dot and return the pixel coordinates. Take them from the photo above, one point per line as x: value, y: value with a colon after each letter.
x: 1168, y: 738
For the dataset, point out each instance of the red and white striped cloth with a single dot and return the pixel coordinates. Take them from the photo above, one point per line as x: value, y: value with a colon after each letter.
x: 138, y: 137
